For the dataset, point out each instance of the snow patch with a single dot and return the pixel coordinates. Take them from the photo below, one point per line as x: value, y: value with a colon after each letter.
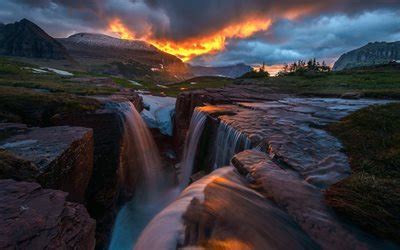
x: 135, y: 83
x: 58, y: 71
x: 158, y: 112
x: 162, y: 86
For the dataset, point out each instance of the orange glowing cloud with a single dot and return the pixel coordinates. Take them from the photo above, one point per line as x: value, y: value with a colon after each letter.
x: 192, y: 47
x: 118, y: 28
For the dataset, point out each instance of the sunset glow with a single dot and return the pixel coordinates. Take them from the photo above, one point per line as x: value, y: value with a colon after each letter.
x: 117, y: 27
x: 190, y: 48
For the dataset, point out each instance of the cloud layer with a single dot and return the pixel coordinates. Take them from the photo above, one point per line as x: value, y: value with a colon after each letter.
x: 300, y: 29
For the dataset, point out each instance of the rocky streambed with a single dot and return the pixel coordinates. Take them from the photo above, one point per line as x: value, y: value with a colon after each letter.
x: 257, y: 166
x: 281, y: 162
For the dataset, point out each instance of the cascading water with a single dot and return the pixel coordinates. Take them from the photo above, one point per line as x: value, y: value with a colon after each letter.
x: 140, y: 153
x: 140, y: 157
x: 196, y: 128
x: 229, y: 142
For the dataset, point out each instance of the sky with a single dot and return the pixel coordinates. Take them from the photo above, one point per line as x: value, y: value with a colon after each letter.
x: 223, y: 32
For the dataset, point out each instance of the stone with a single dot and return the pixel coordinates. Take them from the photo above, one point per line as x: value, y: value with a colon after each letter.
x: 35, y: 218
x: 303, y: 202
x: 103, y: 189
x: 56, y: 157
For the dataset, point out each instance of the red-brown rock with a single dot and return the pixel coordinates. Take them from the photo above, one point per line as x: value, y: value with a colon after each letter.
x: 36, y: 218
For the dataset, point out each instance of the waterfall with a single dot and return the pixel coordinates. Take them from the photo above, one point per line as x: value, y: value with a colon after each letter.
x: 196, y: 128
x: 229, y: 142
x: 141, y: 172
x: 140, y: 156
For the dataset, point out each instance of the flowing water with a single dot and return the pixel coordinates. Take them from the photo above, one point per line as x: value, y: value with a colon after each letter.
x: 242, y: 219
x: 229, y: 142
x: 152, y: 189
x: 192, y: 140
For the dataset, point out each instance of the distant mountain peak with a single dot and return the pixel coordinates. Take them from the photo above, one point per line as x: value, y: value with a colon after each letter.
x: 102, y: 40
x: 373, y: 53
x: 26, y: 39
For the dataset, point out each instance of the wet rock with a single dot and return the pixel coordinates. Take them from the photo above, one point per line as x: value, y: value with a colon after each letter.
x: 57, y: 157
x: 291, y: 131
x: 103, y: 195
x: 221, y: 212
x: 303, y: 202
x: 36, y: 218
x: 188, y: 101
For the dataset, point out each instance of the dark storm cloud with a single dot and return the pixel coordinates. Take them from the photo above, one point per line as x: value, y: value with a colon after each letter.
x: 323, y: 29
x: 324, y: 37
x: 192, y: 17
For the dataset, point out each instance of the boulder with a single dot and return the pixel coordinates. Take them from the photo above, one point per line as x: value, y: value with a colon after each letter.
x: 35, y: 218
x: 56, y: 157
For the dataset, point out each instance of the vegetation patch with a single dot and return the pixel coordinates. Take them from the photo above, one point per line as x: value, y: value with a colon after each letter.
x: 370, y: 197
x: 36, y: 108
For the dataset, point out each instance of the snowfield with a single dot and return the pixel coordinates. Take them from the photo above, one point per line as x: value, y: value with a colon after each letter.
x: 158, y: 112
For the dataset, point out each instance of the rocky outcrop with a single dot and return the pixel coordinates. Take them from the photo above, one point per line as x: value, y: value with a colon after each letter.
x: 26, y: 39
x: 302, y: 201
x: 103, y: 189
x: 368, y: 55
x: 188, y: 101
x: 36, y: 218
x: 56, y: 157
x: 290, y: 129
x: 103, y: 195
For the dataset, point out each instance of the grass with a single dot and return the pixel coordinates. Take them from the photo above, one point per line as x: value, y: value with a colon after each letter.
x: 36, y: 108
x: 199, y: 83
x: 370, y: 197
x: 18, y: 75
x: 374, y: 84
x: 175, y: 89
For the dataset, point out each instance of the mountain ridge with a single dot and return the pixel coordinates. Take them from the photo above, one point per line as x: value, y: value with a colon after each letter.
x: 26, y: 39
x: 368, y: 55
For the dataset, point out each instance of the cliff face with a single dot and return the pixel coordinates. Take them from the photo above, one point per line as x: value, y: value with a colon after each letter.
x: 26, y: 39
x: 371, y: 54
x: 36, y: 218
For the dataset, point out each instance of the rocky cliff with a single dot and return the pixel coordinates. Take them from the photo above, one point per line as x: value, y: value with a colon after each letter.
x: 26, y: 39
x: 36, y: 218
x: 368, y: 55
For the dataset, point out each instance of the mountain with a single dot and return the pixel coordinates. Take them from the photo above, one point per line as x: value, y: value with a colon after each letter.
x: 92, y: 48
x: 100, y: 40
x: 232, y: 71
x: 26, y: 39
x: 371, y: 54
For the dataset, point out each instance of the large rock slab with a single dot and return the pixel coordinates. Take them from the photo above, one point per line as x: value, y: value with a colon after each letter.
x: 291, y: 130
x: 303, y: 202
x: 35, y: 218
x: 188, y: 101
x: 57, y: 157
x: 103, y: 189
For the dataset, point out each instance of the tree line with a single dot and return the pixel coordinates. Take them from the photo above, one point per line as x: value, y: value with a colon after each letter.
x: 300, y: 67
